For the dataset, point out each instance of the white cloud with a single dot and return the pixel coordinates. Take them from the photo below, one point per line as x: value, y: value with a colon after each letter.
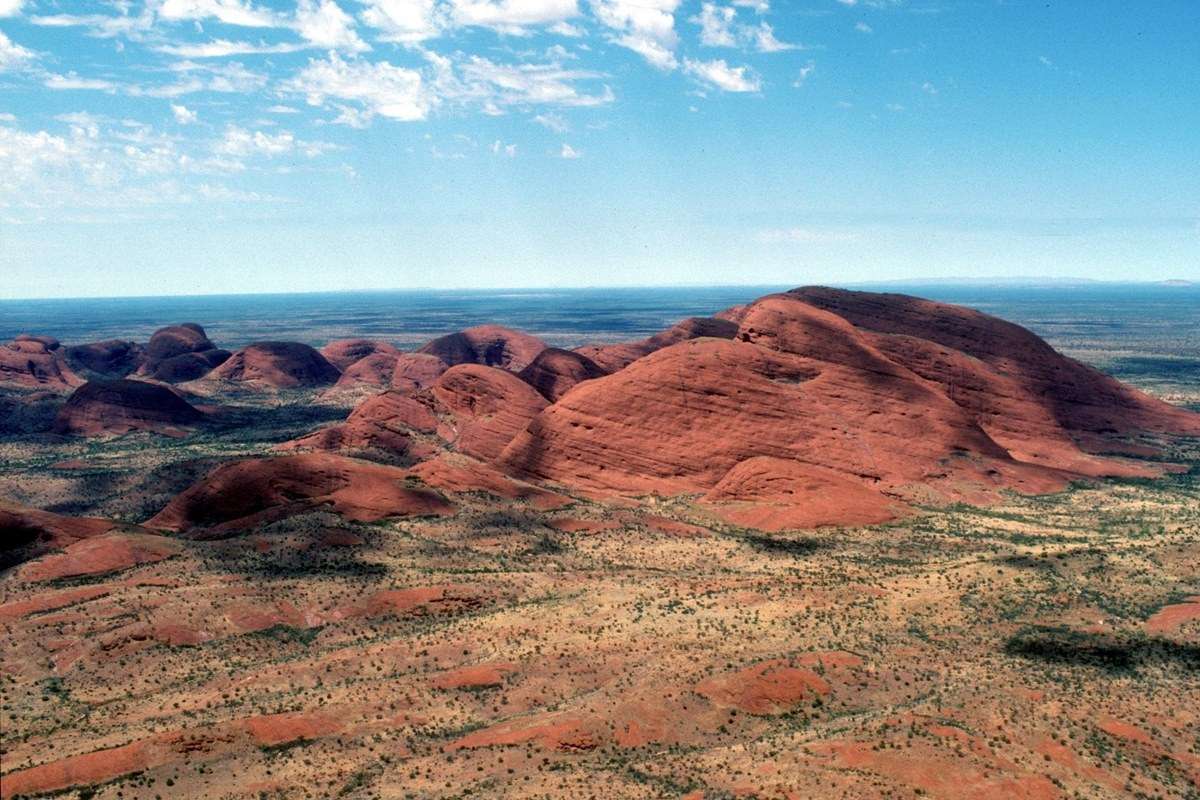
x: 73, y: 81
x: 280, y: 109
x: 183, y: 114
x: 566, y: 29
x: 863, y: 27
x: 802, y: 76
x: 219, y: 48
x: 928, y: 88
x: 501, y: 149
x: 765, y: 41
x: 231, y: 12
x: 522, y: 84
x: 552, y: 121
x: 381, y: 88
x: 404, y: 21
x: 12, y: 54
x: 569, y: 152
x: 716, y: 25
x: 231, y: 78
x: 654, y: 51
x: 719, y: 28
x: 325, y: 24
x: 10, y: 8
x: 512, y: 15
x: 240, y: 143
x: 722, y: 76
x: 99, y: 25
x: 646, y: 27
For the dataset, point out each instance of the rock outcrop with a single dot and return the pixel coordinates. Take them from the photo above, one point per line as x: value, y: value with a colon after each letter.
x: 112, y: 408
x: 483, y: 408
x: 112, y: 358
x: 1012, y: 381
x: 342, y: 353
x: 255, y: 491
x: 26, y: 533
x: 37, y: 361
x: 489, y: 345
x: 386, y: 425
x: 277, y: 365
x: 415, y: 371
x: 470, y: 408
x: 860, y: 406
x: 553, y: 372
x: 179, y: 353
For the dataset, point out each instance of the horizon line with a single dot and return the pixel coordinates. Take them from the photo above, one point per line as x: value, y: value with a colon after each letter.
x: 1013, y: 282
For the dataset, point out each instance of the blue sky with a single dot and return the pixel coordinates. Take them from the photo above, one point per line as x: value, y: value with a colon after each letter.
x: 193, y: 146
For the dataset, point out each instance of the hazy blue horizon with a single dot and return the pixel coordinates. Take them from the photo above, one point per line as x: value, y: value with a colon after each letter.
x: 1014, y: 282
x: 1161, y: 319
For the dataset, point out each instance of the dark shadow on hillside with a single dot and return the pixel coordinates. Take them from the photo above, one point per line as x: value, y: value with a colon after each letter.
x: 294, y: 554
x: 775, y: 545
x: 1112, y: 652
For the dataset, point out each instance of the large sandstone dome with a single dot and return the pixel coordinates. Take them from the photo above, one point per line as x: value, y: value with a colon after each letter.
x: 489, y: 345
x: 110, y: 408
x: 907, y: 399
x: 278, y: 365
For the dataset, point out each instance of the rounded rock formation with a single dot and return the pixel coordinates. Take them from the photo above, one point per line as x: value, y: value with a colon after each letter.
x: 112, y: 358
x: 247, y: 493
x: 26, y: 533
x: 883, y: 406
x: 180, y: 353
x: 111, y: 408
x: 483, y: 408
x: 489, y: 345
x: 415, y: 371
x: 554, y: 372
x: 277, y: 365
x: 38, y: 361
x: 344, y: 352
x: 385, y: 424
